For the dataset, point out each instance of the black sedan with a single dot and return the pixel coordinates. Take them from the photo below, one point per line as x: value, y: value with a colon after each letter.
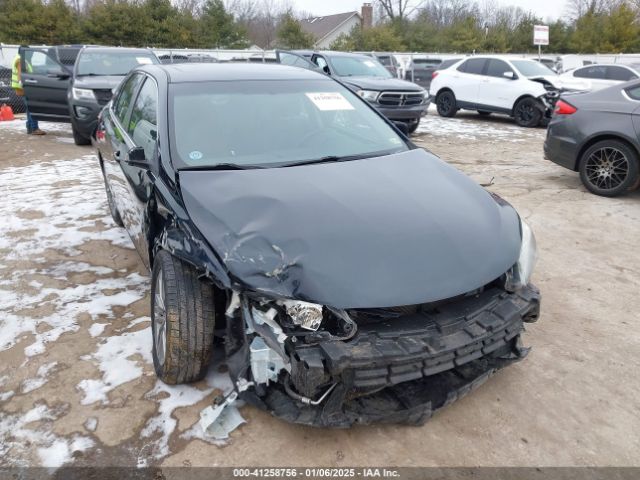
x: 597, y: 134
x: 354, y: 277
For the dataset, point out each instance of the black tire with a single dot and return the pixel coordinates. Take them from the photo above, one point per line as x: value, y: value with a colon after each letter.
x: 446, y: 104
x: 412, y: 127
x: 115, y: 214
x: 189, y: 319
x: 610, y: 168
x: 78, y: 138
x: 484, y: 113
x: 528, y: 112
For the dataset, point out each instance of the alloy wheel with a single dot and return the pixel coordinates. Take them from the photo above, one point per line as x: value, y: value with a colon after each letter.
x: 607, y: 168
x: 160, y: 320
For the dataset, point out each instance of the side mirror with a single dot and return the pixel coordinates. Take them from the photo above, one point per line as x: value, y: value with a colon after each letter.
x: 58, y: 73
x: 136, y: 156
x: 326, y: 70
x: 402, y: 127
x: 509, y: 75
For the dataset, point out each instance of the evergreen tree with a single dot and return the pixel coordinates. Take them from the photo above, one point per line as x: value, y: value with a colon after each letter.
x: 218, y: 28
x: 291, y: 35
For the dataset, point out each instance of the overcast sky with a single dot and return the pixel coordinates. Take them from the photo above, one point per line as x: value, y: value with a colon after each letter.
x: 544, y: 8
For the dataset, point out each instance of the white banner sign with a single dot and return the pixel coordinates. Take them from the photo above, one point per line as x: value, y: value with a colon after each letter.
x: 541, y: 35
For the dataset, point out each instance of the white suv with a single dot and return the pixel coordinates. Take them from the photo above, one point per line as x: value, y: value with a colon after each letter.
x: 523, y: 89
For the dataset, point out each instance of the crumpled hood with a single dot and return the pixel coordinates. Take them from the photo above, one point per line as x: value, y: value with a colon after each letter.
x: 382, y: 84
x: 102, y: 82
x: 388, y: 231
x: 564, y: 83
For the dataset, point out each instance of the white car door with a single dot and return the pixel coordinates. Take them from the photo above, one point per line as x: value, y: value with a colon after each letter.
x: 465, y: 81
x: 499, y: 87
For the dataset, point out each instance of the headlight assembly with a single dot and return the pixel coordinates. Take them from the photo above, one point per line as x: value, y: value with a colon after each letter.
x: 520, y: 274
x: 82, y: 94
x: 306, y: 315
x: 369, y: 95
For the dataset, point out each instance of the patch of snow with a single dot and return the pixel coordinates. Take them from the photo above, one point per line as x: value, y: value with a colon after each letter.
x: 91, y: 424
x: 177, y: 396
x: 53, y: 451
x: 65, y: 140
x: 113, y: 358
x: 96, y: 329
x: 32, y: 384
x: 4, y: 396
x: 474, y: 128
x: 20, y: 125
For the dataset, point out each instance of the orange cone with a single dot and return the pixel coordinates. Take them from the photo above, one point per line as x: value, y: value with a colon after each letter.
x: 6, y: 113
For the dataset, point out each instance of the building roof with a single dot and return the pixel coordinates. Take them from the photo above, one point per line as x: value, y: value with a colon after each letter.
x: 320, y: 27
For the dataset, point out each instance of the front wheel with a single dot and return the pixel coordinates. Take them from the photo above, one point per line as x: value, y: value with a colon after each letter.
x: 609, y: 168
x: 412, y: 127
x: 182, y: 321
x: 78, y: 138
x: 528, y: 112
x: 446, y: 104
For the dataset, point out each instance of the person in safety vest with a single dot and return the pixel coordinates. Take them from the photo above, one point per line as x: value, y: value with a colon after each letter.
x: 16, y: 84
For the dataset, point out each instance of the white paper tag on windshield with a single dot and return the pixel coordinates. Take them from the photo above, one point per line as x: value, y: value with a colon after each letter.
x: 330, y: 101
x: 369, y: 63
x: 143, y: 61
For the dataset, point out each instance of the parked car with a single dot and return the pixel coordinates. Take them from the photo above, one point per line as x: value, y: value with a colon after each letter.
x: 388, y: 61
x: 523, y: 89
x: 398, y: 100
x: 596, y: 134
x: 57, y: 93
x: 419, y: 70
x: 603, y: 76
x: 332, y: 252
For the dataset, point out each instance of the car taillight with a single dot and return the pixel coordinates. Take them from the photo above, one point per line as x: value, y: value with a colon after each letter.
x: 564, y: 108
x: 434, y: 74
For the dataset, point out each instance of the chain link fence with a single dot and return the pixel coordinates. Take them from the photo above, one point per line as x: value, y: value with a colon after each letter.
x: 416, y: 67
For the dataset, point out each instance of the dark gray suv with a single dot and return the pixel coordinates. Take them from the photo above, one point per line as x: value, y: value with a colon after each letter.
x: 398, y: 100
x: 76, y: 93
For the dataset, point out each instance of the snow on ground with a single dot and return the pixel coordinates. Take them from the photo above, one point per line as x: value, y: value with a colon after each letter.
x: 473, y: 127
x: 23, y: 434
x: 51, y: 209
x: 20, y: 125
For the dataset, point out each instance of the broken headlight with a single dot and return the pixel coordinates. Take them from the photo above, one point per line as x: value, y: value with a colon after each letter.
x: 304, y: 314
x: 518, y: 276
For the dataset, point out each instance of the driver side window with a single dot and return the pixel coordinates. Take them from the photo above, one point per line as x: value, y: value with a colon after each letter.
x: 125, y: 96
x: 142, y: 127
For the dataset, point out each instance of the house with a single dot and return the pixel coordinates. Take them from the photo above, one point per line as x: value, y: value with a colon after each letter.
x: 328, y: 28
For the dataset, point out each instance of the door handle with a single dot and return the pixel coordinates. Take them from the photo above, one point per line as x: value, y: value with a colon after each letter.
x: 31, y: 81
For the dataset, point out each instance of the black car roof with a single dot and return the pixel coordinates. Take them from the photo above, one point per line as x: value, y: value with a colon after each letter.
x: 202, y: 72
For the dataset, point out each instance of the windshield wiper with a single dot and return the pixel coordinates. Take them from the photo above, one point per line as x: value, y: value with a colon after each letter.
x: 331, y: 158
x: 223, y: 166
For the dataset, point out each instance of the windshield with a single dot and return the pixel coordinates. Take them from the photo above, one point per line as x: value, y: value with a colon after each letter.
x: 358, y: 67
x: 273, y: 123
x: 111, y: 63
x: 530, y: 68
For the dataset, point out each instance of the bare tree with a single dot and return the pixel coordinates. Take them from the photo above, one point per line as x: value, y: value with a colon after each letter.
x: 399, y: 9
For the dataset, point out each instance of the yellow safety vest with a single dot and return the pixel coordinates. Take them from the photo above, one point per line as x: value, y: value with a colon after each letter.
x: 16, y: 82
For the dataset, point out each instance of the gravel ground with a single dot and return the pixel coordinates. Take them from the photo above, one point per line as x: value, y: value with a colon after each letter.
x: 77, y: 385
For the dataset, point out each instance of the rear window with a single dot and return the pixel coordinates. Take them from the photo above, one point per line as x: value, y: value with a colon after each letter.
x: 102, y: 63
x: 621, y: 74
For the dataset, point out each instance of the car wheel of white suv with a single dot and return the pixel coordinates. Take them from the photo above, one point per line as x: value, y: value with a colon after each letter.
x: 528, y: 112
x: 446, y: 104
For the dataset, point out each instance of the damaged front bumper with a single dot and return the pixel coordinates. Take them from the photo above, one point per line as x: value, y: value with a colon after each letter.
x: 395, y: 365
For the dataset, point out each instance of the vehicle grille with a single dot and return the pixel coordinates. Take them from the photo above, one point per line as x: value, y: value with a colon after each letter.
x: 399, y: 99
x: 103, y: 95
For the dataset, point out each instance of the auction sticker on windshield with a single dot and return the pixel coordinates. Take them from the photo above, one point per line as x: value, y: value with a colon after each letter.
x: 143, y: 60
x: 330, y: 101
